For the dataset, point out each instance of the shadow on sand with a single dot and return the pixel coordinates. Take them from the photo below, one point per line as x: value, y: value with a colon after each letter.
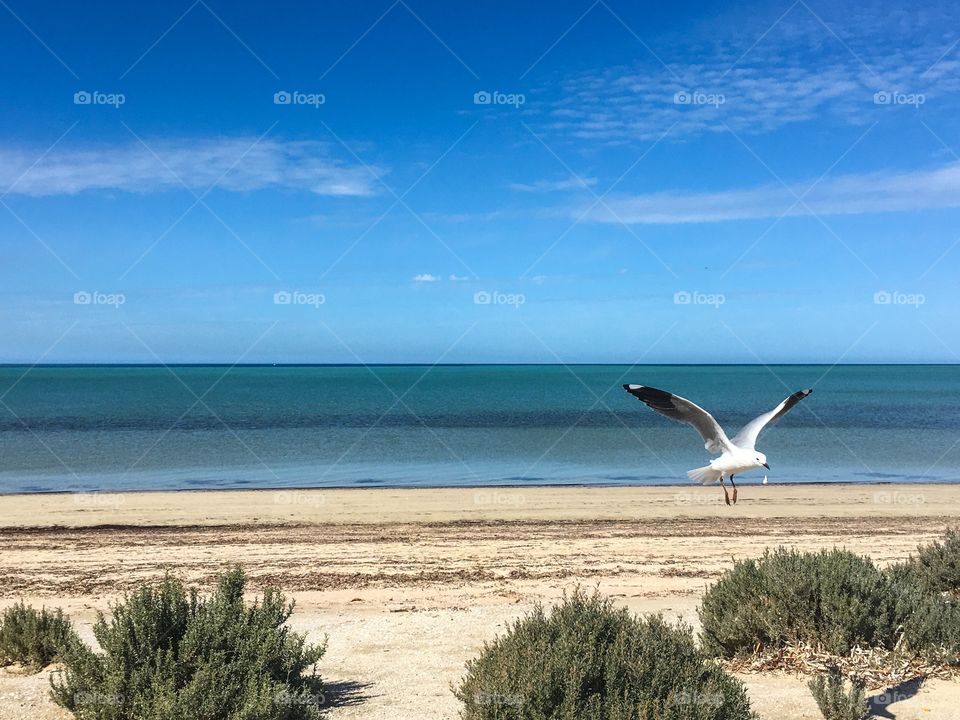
x: 901, y: 691
x: 345, y: 694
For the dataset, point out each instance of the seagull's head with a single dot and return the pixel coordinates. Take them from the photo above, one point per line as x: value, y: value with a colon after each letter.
x: 761, y: 460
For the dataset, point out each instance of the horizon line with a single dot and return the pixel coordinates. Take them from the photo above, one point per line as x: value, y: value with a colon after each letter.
x: 470, y: 364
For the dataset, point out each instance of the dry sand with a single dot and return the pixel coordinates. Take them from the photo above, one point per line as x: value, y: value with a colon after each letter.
x: 408, y: 584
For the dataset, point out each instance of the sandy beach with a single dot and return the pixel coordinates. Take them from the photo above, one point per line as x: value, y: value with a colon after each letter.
x: 408, y: 584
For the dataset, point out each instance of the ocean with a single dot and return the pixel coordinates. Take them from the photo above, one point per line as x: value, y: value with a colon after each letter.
x: 112, y: 428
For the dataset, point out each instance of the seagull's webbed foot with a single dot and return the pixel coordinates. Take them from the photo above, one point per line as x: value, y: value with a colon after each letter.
x: 734, y: 490
x: 726, y: 495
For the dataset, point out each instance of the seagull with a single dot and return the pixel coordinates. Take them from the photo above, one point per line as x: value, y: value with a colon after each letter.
x: 737, y: 455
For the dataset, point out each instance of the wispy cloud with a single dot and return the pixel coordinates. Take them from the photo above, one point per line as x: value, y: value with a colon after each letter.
x: 553, y: 185
x: 233, y: 164
x: 425, y: 278
x: 465, y: 217
x: 843, y: 195
x: 799, y: 70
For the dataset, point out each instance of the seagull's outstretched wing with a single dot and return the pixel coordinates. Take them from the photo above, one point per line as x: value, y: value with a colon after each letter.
x: 747, y: 438
x: 677, y: 408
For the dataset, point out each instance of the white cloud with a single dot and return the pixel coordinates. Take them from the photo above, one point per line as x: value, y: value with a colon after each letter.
x: 232, y: 164
x: 636, y: 104
x: 843, y: 195
x: 464, y: 217
x: 458, y: 278
x: 425, y: 278
x: 554, y: 185
x: 769, y: 77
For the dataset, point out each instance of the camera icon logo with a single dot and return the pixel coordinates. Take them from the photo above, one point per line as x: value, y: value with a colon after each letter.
x: 82, y: 97
x: 882, y: 297
x: 82, y: 297
x: 482, y: 97
x: 681, y: 297
x: 282, y: 297
x: 882, y: 98
x: 681, y: 98
x: 282, y: 97
x: 482, y: 297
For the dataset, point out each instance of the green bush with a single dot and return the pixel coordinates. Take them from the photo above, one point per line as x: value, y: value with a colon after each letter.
x: 834, y: 702
x: 169, y: 654
x: 832, y: 599
x: 33, y: 638
x: 584, y: 660
x: 929, y: 622
x: 936, y: 567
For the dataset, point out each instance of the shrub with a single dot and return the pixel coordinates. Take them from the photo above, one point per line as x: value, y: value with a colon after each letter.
x: 33, y: 638
x: 584, y: 660
x: 834, y: 702
x: 936, y: 567
x: 833, y: 598
x: 929, y: 622
x: 171, y: 654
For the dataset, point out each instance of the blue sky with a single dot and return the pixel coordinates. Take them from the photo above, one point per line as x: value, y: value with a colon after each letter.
x: 473, y: 182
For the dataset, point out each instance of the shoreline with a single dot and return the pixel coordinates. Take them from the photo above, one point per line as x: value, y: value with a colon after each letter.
x: 517, y: 504
x: 747, y: 482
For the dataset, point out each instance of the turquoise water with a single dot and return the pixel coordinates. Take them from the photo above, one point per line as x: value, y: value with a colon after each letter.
x: 112, y: 428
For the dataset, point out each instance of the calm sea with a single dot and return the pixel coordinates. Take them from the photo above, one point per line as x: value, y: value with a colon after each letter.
x: 112, y: 428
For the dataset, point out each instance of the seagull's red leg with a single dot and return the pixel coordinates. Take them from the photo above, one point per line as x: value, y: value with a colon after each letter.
x: 734, y: 490
x: 726, y: 497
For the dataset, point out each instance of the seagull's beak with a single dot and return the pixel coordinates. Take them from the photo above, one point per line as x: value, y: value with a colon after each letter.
x: 766, y: 466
